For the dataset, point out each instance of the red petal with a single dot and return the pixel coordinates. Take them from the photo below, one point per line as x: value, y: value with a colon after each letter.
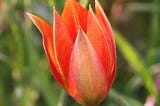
x: 101, y: 41
x: 62, y: 46
x: 109, y: 34
x: 47, y: 35
x: 101, y: 15
x: 87, y: 80
x: 74, y: 15
x: 96, y: 36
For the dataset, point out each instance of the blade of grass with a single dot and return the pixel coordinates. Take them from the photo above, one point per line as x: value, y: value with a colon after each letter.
x: 142, y: 7
x: 154, y: 35
x: 63, y: 98
x: 133, y: 58
x: 5, y: 59
x: 123, y: 99
x: 57, y: 3
x: 84, y: 3
x: 19, y: 45
x: 2, y: 95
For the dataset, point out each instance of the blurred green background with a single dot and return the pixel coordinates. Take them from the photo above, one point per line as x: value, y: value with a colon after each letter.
x: 25, y: 77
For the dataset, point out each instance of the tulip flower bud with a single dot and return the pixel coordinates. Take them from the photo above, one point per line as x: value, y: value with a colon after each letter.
x: 81, y: 51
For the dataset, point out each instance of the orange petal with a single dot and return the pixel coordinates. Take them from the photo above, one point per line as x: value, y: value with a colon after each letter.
x: 47, y: 35
x: 109, y: 33
x: 101, y: 15
x: 96, y: 36
x: 74, y: 15
x: 87, y: 80
x: 62, y: 46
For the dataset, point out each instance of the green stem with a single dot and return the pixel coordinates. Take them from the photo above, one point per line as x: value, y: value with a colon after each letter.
x: 62, y: 98
x: 90, y: 105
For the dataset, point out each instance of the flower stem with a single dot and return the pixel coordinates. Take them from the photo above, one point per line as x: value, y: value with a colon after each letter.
x: 90, y: 105
x: 62, y: 98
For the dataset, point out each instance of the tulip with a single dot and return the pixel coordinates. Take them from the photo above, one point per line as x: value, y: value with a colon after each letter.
x: 81, y: 51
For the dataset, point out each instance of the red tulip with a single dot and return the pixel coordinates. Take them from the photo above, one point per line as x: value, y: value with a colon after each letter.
x: 81, y: 51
